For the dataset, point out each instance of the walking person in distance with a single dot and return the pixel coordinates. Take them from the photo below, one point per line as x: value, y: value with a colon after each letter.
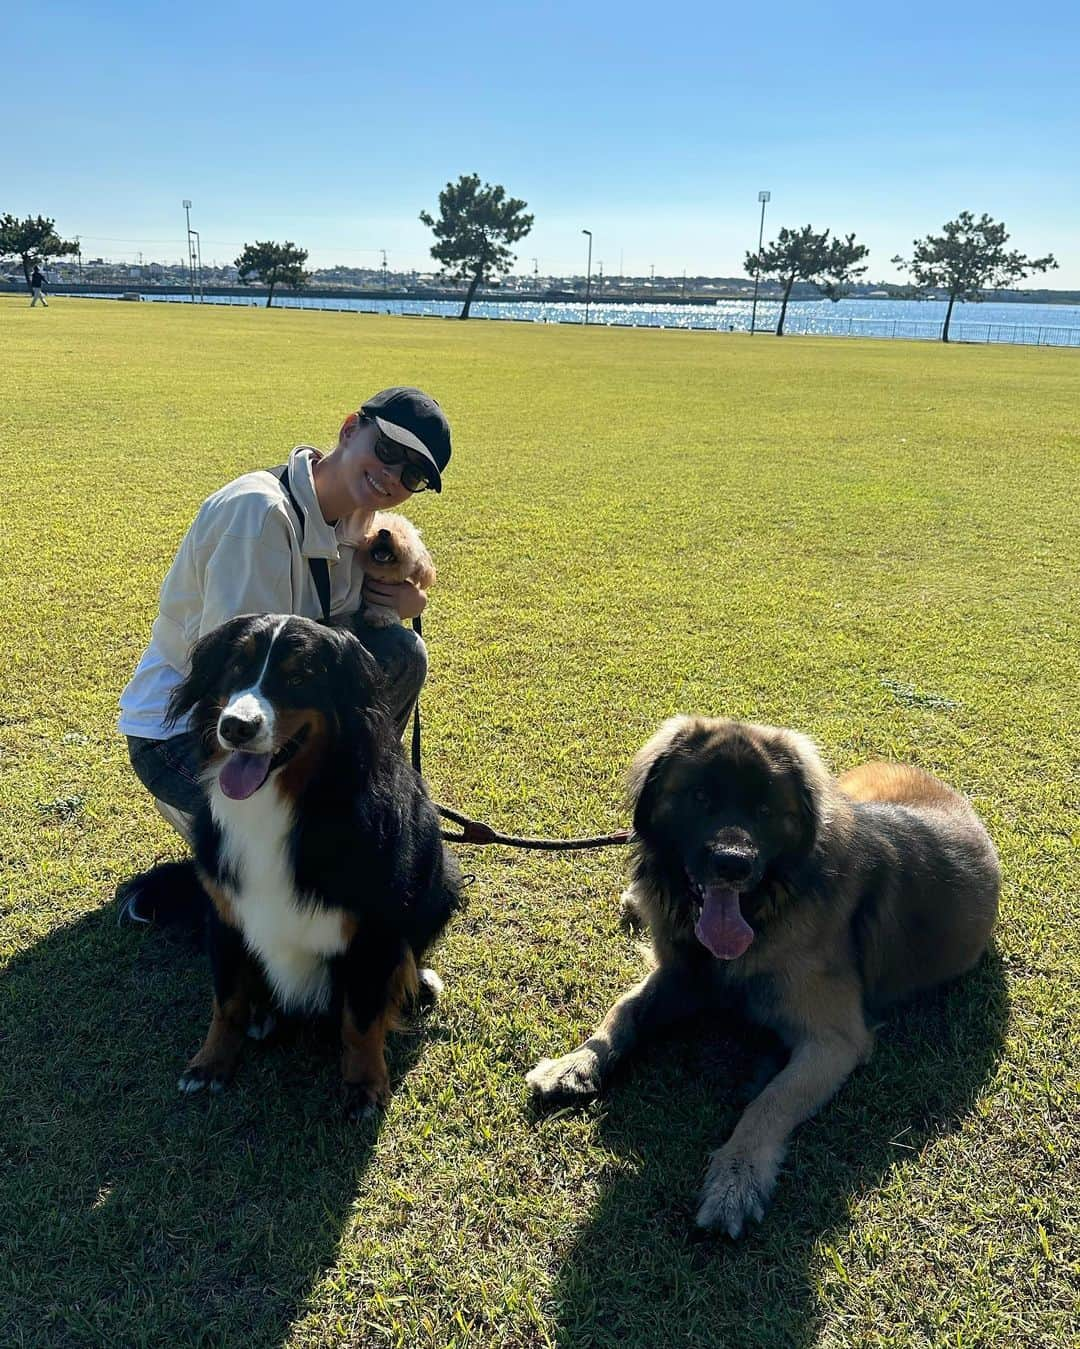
x: 37, y: 287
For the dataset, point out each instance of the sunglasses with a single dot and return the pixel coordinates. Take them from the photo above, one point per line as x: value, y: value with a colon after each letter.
x: 414, y: 478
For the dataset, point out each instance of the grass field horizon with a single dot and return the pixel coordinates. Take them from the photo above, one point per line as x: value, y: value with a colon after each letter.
x: 873, y: 542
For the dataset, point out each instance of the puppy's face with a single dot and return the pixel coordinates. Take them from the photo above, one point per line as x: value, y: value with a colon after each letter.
x: 722, y: 805
x: 269, y: 689
x: 391, y: 549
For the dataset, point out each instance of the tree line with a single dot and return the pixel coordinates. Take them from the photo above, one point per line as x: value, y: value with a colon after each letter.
x: 477, y: 224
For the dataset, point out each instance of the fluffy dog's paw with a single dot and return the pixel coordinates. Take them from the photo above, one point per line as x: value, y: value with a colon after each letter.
x: 429, y: 988
x: 365, y: 1100
x: 737, y: 1188
x: 131, y: 905
x: 214, y: 1075
x: 574, y: 1077
x: 631, y: 918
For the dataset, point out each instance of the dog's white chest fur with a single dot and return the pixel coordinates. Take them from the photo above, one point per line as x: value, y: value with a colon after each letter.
x: 293, y: 937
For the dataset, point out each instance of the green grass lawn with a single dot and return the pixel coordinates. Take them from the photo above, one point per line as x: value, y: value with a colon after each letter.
x: 873, y: 542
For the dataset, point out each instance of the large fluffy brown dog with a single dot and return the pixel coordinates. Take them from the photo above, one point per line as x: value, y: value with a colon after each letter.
x: 812, y: 901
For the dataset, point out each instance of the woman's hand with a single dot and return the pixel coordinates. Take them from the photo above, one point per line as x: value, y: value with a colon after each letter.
x: 404, y: 596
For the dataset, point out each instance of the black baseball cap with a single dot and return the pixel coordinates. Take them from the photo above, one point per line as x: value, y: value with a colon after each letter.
x: 413, y: 418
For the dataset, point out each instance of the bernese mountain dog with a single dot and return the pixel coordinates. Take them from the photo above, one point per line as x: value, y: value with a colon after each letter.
x: 317, y: 845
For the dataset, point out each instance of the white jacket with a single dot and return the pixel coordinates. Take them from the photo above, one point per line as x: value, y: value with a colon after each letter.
x: 242, y: 555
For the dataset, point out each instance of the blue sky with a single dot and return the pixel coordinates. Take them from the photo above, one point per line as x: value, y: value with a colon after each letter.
x: 653, y: 126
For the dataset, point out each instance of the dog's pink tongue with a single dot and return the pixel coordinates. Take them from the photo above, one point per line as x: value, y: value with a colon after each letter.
x: 721, y: 926
x: 243, y: 774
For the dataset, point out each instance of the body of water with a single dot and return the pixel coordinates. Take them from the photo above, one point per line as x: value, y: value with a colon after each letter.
x: 1037, y: 324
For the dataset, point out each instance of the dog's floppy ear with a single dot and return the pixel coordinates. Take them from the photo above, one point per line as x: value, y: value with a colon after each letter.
x: 410, y: 548
x: 365, y: 721
x: 646, y: 770
x: 206, y: 660
x: 357, y: 666
x: 424, y: 574
x: 814, y: 784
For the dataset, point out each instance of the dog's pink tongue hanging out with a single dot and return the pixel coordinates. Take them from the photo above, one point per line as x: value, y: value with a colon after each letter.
x: 243, y: 774
x: 720, y: 927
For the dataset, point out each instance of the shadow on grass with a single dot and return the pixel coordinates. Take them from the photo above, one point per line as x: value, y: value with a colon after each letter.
x: 130, y: 1214
x: 639, y: 1275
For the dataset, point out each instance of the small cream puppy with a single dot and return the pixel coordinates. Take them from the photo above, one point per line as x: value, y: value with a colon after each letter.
x: 390, y: 549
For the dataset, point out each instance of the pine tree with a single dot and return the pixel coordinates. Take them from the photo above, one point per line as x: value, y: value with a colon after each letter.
x: 475, y: 226
x: 802, y: 255
x: 968, y: 259
x: 273, y: 264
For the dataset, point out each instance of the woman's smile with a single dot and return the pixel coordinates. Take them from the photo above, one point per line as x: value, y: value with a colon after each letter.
x: 378, y: 490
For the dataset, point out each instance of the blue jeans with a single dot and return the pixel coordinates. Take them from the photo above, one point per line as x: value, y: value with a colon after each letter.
x: 170, y: 769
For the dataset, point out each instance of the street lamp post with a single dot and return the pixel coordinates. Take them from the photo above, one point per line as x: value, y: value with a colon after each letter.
x: 197, y: 257
x: 763, y: 197
x: 190, y: 254
x: 588, y: 277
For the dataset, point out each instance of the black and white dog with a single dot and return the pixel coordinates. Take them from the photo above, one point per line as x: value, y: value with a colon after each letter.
x: 317, y: 845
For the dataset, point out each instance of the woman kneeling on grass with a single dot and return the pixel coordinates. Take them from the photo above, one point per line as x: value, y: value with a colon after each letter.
x: 269, y: 544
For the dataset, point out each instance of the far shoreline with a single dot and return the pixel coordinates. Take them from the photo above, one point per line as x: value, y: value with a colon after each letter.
x: 553, y: 295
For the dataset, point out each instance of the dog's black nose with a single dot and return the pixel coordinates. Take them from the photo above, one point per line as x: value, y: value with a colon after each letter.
x: 384, y: 534
x: 733, y: 865
x: 239, y: 730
